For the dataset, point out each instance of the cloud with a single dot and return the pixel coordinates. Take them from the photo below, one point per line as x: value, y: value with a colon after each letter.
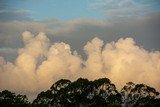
x: 143, y: 29
x: 40, y: 63
x: 124, y: 11
x: 12, y: 15
x: 10, y: 32
x: 127, y: 61
x: 8, y: 13
x: 8, y: 53
x: 94, y: 63
x: 123, y: 8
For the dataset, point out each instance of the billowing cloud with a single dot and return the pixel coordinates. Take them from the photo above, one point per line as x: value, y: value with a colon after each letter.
x: 77, y: 32
x: 40, y: 63
x: 14, y: 19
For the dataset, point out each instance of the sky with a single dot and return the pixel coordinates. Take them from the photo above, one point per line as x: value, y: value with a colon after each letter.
x: 75, y: 9
x: 76, y: 22
x: 98, y: 38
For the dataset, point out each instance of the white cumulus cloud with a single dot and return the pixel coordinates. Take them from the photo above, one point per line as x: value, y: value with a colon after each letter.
x: 40, y: 63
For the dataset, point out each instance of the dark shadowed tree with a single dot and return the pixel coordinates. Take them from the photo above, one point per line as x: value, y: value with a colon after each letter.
x: 53, y: 95
x: 80, y: 93
x: 106, y: 90
x: 148, y: 102
x: 9, y: 99
x: 59, y: 85
x: 85, y: 93
x: 136, y: 94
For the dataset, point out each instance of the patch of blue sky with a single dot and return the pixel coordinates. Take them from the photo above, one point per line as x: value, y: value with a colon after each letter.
x: 75, y: 9
x: 62, y: 9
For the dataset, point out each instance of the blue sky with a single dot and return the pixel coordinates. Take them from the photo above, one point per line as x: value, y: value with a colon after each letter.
x: 75, y: 9
x: 62, y: 9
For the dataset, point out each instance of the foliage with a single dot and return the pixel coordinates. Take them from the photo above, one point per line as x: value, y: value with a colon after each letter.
x: 82, y: 92
x: 9, y: 99
x: 85, y: 93
x: 138, y: 94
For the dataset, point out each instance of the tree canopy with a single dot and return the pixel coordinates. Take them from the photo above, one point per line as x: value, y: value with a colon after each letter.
x: 9, y: 99
x: 139, y: 95
x: 84, y: 93
x: 100, y: 92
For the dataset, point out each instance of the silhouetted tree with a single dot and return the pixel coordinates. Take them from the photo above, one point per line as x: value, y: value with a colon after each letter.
x: 133, y: 94
x: 85, y: 93
x: 9, y: 99
x: 106, y: 90
x: 147, y: 102
x: 53, y: 96
x: 80, y: 93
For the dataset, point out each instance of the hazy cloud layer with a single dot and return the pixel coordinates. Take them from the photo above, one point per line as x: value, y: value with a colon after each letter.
x: 145, y: 31
x: 123, y: 8
x: 9, y: 13
x: 40, y: 63
x: 12, y: 15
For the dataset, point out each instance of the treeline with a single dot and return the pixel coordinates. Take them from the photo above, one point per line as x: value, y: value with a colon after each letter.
x: 85, y: 93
